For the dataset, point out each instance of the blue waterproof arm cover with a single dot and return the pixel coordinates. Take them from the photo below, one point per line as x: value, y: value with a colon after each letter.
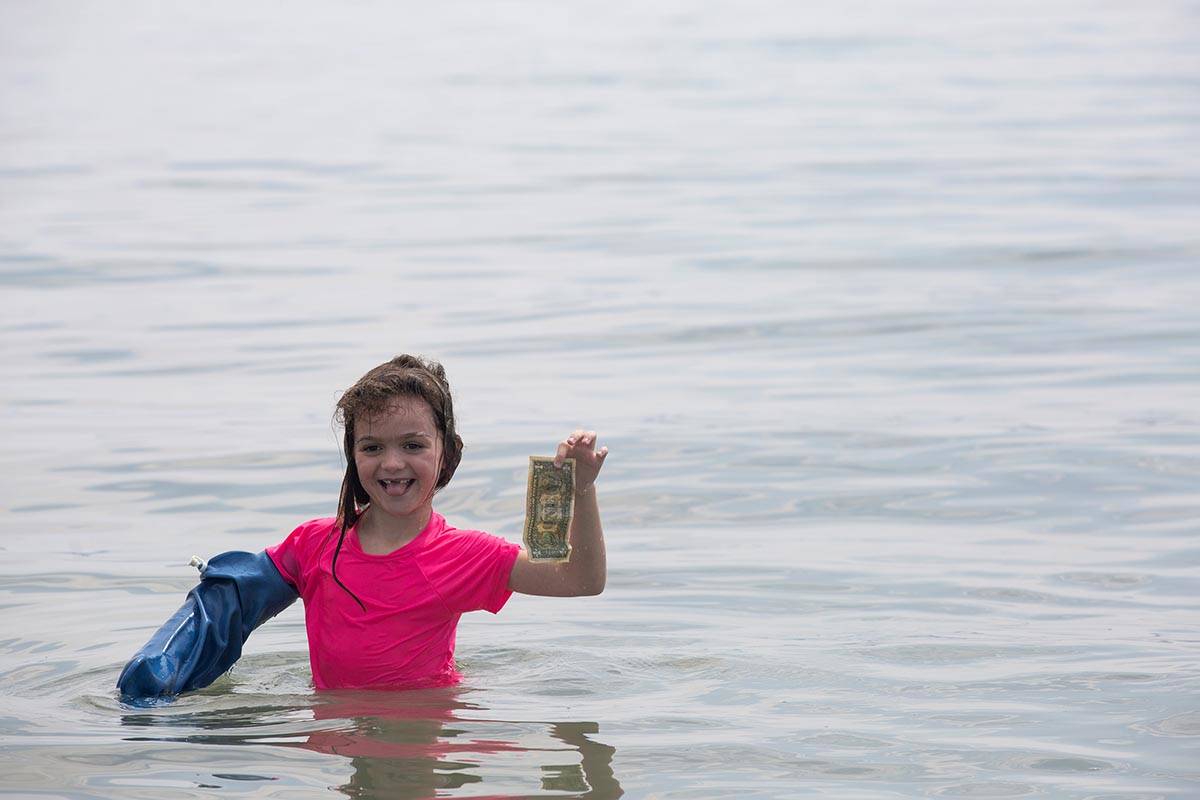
x: 237, y: 593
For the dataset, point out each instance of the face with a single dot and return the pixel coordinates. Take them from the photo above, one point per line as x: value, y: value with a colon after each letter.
x: 398, y: 454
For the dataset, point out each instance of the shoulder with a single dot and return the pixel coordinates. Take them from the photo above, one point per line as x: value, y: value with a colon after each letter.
x: 315, y: 528
x: 469, y: 569
x: 451, y: 536
x: 451, y: 543
x: 310, y: 535
x: 296, y: 555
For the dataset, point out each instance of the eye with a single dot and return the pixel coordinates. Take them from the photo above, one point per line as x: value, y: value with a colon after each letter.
x: 413, y: 447
x: 370, y: 448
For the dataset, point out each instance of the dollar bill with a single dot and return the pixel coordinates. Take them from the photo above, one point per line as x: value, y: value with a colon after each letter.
x: 549, y: 506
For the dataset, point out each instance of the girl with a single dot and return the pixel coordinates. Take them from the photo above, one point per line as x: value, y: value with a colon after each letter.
x: 385, y: 582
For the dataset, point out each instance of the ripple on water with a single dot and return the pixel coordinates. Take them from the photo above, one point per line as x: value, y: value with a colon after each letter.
x: 223, y: 462
x: 988, y: 789
x: 770, y: 766
x: 1185, y: 724
x: 1010, y: 594
x: 976, y: 719
x: 939, y: 654
x: 48, y: 272
x: 845, y: 741
x: 85, y: 582
x: 1111, y: 581
x: 1060, y: 764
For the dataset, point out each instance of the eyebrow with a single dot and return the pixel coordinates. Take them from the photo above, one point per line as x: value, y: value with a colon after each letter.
x: 421, y: 434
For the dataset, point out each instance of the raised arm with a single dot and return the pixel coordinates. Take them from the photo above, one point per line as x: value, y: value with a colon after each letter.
x: 585, y: 573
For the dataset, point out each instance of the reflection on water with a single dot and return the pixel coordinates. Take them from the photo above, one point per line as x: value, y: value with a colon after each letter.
x: 400, y: 744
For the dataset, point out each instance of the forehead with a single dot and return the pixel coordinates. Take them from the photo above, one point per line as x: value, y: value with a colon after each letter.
x: 409, y: 413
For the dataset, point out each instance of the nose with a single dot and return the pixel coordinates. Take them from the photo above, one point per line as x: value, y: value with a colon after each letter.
x: 393, y: 459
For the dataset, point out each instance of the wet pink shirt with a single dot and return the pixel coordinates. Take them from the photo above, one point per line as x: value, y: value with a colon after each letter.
x: 414, y: 598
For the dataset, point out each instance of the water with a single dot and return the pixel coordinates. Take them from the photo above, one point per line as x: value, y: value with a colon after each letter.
x: 886, y: 311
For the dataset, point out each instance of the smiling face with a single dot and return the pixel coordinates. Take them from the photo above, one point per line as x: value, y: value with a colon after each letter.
x: 398, y: 455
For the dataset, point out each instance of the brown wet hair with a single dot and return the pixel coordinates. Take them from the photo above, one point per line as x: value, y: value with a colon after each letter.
x: 403, y: 376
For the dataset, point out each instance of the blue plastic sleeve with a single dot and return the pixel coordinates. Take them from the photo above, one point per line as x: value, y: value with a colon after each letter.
x: 202, y: 640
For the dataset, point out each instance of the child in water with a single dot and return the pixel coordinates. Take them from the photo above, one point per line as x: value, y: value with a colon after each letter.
x: 386, y: 581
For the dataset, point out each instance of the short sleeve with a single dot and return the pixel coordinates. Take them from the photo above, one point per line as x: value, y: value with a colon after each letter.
x: 470, y: 570
x: 286, y: 556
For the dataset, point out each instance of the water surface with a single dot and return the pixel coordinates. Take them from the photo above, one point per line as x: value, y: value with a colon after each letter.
x: 886, y: 311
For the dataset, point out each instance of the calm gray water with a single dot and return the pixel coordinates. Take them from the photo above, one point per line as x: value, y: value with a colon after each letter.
x: 887, y: 312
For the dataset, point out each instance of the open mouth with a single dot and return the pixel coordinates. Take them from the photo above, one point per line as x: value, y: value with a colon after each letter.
x: 396, y: 486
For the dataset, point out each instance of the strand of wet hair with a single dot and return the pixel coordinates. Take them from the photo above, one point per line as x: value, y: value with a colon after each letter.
x: 333, y: 567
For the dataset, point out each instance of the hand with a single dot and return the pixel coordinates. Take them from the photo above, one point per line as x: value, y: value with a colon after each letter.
x: 581, y: 446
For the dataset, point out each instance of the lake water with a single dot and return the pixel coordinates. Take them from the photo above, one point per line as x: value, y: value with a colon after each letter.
x: 887, y: 312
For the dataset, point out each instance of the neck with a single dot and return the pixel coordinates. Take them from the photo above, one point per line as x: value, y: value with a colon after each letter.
x: 380, y: 534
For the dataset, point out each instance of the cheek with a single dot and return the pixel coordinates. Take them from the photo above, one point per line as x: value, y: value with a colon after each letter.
x: 432, y: 464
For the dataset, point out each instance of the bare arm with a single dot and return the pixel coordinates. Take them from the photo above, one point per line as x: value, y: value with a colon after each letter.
x: 585, y: 573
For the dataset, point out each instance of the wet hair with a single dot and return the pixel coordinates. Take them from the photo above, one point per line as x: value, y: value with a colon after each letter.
x: 403, y: 376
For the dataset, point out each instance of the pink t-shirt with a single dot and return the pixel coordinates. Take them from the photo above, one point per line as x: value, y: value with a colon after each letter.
x: 414, y: 598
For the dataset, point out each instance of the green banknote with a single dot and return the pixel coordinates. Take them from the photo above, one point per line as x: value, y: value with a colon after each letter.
x: 549, y: 506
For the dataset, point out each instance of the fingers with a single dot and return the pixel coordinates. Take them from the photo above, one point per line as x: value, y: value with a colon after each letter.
x: 566, y: 445
x: 561, y: 453
x: 579, y: 439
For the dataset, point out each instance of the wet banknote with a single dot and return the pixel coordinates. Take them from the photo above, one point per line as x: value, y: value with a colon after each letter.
x: 549, y: 506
